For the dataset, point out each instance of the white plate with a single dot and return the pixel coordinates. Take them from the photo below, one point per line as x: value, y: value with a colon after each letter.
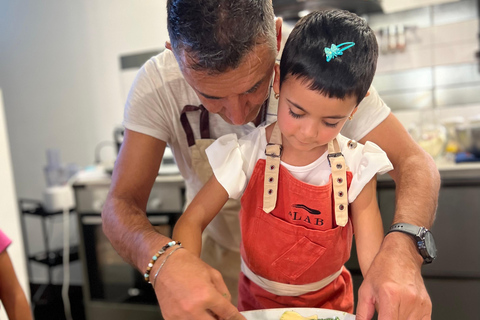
x: 275, y: 314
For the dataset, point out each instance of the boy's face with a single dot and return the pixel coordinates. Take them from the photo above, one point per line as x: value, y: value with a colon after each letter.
x: 309, y: 120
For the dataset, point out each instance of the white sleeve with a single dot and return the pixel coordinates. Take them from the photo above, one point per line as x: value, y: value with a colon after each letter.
x: 145, y: 100
x: 227, y: 162
x: 370, y: 113
x: 365, y: 161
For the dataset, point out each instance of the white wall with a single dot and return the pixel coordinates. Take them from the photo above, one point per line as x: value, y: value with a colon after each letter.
x: 9, y: 220
x: 60, y: 75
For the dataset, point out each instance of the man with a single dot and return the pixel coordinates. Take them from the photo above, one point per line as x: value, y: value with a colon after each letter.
x: 221, y: 57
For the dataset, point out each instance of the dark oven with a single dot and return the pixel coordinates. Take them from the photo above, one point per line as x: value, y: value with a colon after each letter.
x: 112, y: 288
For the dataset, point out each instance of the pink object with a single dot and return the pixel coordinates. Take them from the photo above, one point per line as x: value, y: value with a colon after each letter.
x: 4, y: 241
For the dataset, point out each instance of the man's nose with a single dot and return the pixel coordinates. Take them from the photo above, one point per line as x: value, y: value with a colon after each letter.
x: 236, y: 107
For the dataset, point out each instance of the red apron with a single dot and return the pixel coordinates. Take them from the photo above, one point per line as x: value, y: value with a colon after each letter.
x: 297, y: 243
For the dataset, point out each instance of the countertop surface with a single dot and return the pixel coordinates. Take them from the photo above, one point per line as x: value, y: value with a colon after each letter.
x: 97, y: 175
x: 450, y: 170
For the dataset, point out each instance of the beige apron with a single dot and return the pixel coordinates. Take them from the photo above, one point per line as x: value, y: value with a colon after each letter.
x: 225, y: 227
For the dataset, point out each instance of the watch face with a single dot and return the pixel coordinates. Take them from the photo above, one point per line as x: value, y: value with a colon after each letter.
x: 430, y: 245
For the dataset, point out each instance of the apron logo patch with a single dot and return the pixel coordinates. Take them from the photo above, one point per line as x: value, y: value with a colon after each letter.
x: 309, y: 210
x: 299, y: 216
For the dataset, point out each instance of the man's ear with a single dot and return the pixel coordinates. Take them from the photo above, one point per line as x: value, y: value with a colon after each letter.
x: 168, y: 45
x: 278, y: 27
x: 276, y: 79
x: 368, y: 93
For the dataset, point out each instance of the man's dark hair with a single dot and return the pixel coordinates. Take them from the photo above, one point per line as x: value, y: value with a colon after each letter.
x: 346, y: 75
x: 218, y: 34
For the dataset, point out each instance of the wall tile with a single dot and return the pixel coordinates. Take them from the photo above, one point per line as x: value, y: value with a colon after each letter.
x: 457, y: 96
x: 454, y: 12
x: 458, y: 53
x: 420, y: 17
x: 408, y: 100
x: 412, y: 57
x: 453, y: 33
x: 421, y: 78
x: 456, y: 75
x: 418, y: 52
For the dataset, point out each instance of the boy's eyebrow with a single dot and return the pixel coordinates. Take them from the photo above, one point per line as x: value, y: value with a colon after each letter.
x: 255, y: 86
x: 328, y: 117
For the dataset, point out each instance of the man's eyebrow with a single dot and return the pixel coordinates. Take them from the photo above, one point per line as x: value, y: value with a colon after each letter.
x: 253, y: 88
x: 328, y: 117
x: 209, y: 97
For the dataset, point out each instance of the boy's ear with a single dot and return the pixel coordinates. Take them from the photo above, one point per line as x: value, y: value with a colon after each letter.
x: 276, y: 79
x: 368, y: 93
x: 168, y: 45
x: 354, y: 110
x: 278, y: 27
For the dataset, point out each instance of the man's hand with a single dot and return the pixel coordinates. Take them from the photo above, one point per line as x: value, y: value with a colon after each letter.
x: 394, y: 284
x: 187, y: 288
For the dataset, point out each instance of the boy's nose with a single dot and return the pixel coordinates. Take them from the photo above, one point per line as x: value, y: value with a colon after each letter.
x: 310, y: 131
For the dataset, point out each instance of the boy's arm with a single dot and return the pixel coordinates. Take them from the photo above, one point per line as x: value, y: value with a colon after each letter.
x: 394, y: 281
x: 204, y: 207
x: 367, y: 224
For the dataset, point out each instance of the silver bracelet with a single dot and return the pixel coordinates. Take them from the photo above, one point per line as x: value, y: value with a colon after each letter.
x: 160, y: 268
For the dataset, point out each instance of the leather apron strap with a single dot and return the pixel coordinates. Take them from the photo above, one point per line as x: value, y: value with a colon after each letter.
x: 339, y: 177
x: 204, y: 123
x: 273, y: 151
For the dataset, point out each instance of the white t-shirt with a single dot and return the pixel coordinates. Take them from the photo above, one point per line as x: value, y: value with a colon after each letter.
x: 159, y: 94
x: 233, y: 160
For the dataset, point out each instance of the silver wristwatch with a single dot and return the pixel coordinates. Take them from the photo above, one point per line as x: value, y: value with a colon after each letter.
x: 423, y: 239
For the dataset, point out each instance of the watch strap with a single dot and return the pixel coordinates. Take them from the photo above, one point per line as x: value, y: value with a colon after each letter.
x: 406, y: 228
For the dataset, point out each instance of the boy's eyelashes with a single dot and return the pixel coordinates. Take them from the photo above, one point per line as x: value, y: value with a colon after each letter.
x: 297, y: 116
x: 293, y: 114
x: 331, y: 125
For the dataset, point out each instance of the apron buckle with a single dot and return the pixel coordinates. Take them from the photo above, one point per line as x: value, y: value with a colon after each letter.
x: 274, y: 153
x: 333, y: 155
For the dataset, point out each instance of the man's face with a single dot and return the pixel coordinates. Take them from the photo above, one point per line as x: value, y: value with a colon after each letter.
x: 236, y: 95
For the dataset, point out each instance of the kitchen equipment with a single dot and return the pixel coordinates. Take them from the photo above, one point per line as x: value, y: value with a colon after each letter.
x: 168, y: 166
x: 430, y: 134
x: 275, y: 314
x: 112, y: 288
x: 451, y: 125
x: 469, y: 136
x: 290, y: 9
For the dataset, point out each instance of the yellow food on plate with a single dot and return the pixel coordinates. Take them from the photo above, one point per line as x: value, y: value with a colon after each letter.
x: 291, y: 315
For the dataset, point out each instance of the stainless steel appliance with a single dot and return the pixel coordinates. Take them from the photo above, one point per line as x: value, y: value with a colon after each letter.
x: 112, y: 288
x: 292, y: 9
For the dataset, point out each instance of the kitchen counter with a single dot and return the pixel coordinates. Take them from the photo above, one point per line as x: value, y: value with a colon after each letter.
x: 97, y: 175
x: 93, y: 184
x: 453, y: 279
x: 449, y: 170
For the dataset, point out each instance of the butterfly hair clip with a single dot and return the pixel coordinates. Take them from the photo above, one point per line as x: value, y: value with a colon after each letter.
x: 337, y: 50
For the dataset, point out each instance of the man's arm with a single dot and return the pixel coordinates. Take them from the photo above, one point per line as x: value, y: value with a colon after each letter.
x: 394, y: 282
x: 186, y: 288
x: 124, y: 220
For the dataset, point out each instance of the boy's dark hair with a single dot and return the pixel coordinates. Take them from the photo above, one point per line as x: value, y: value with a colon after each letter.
x: 218, y: 34
x: 346, y: 75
